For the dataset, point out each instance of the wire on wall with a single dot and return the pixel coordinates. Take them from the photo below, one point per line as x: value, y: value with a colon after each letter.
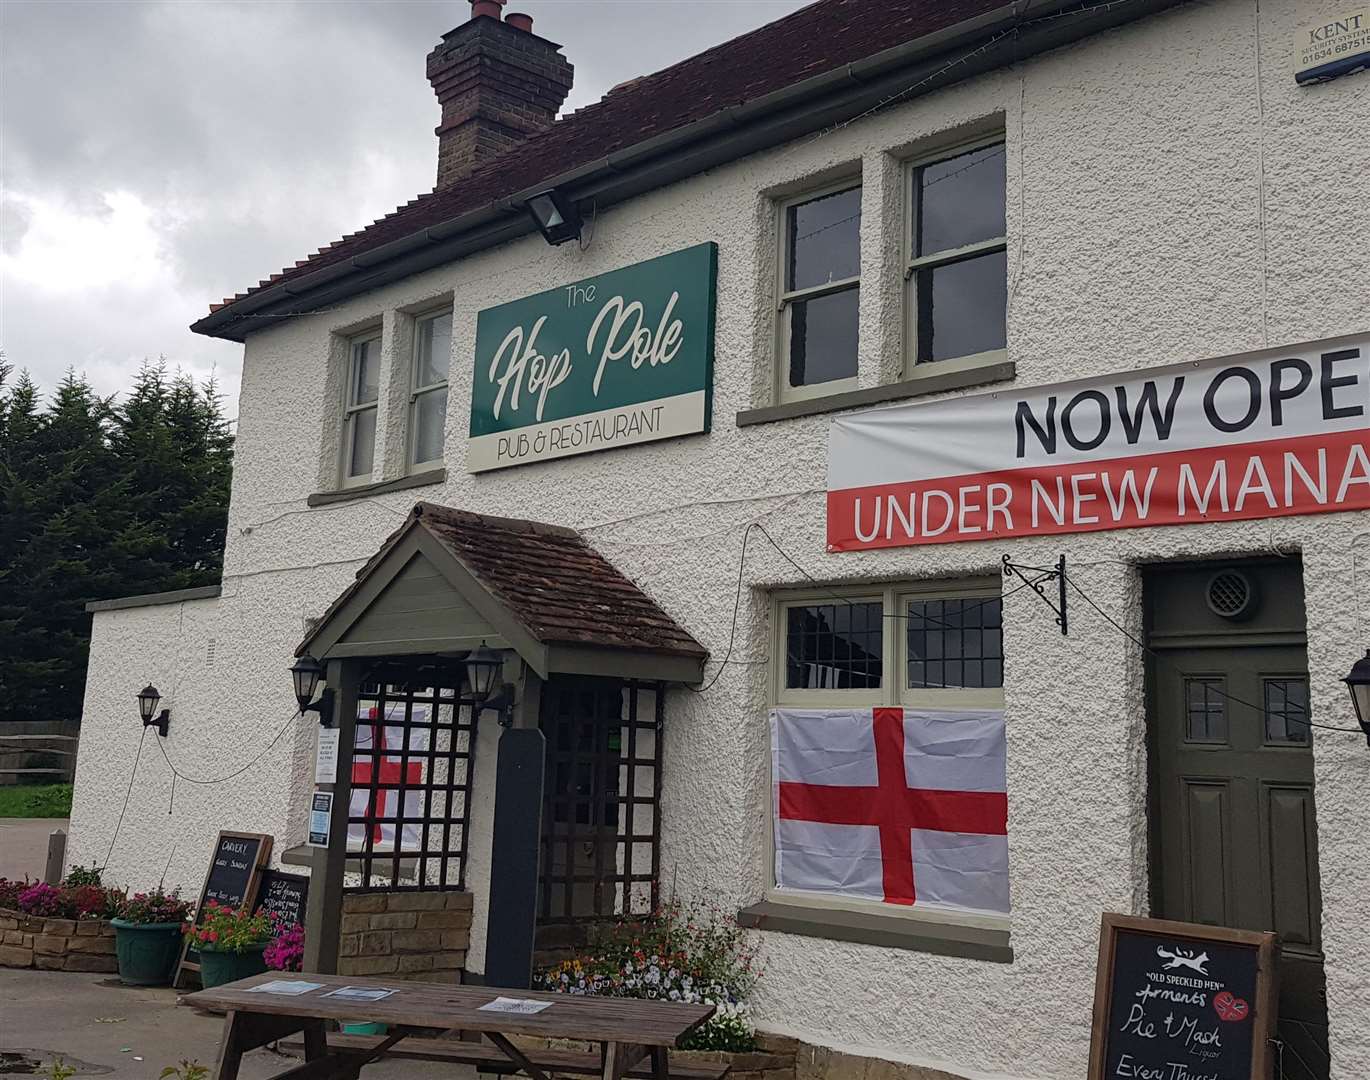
x: 133, y: 775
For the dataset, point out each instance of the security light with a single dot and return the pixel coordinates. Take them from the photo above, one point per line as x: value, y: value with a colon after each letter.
x: 556, y: 216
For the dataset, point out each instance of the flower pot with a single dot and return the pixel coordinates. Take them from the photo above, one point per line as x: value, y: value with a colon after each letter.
x: 218, y: 967
x: 147, y: 952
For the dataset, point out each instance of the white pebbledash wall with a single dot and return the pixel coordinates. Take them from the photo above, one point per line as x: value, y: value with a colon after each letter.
x: 1172, y: 195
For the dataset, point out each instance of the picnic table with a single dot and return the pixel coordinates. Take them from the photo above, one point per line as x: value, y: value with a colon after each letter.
x: 635, y: 1036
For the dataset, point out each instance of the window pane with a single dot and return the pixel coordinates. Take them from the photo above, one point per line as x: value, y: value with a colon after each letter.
x: 432, y: 350
x: 834, y: 646
x: 365, y: 372
x: 824, y: 240
x: 955, y: 643
x: 430, y: 410
x: 823, y: 338
x: 363, y: 442
x: 961, y: 200
x: 1286, y: 710
x: 961, y: 307
x: 1205, y: 710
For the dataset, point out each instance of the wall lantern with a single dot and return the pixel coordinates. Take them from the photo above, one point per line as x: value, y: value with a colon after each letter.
x: 1358, y: 682
x: 305, y: 673
x: 148, y: 697
x: 483, y: 668
x: 556, y: 216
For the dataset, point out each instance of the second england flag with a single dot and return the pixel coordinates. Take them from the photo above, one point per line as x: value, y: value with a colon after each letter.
x: 907, y: 806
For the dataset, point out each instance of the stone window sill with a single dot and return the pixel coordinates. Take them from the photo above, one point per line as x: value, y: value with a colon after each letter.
x: 874, y: 928
x: 362, y: 491
x: 942, y: 381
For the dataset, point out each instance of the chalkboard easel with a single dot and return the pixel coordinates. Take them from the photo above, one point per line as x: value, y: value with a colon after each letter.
x: 1172, y: 992
x: 235, y: 874
x: 283, y: 895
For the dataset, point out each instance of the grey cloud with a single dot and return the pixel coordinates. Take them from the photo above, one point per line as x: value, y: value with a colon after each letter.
x: 256, y: 133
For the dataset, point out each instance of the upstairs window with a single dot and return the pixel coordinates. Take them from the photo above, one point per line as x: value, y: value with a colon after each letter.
x: 428, y: 389
x: 359, y: 414
x: 820, y: 283
x: 958, y: 265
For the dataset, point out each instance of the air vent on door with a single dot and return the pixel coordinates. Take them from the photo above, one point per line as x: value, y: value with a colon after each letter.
x: 1231, y: 595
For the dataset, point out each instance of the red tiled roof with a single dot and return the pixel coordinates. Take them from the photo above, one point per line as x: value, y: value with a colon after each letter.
x: 547, y: 577
x: 819, y: 38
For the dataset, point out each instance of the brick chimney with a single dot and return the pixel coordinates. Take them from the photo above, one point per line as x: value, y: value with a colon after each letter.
x: 497, y: 83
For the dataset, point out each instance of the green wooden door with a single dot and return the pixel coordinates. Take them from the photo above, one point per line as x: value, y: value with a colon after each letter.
x: 1234, y: 824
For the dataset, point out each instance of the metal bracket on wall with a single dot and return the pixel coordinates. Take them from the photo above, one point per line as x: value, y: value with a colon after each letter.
x: 1043, y: 574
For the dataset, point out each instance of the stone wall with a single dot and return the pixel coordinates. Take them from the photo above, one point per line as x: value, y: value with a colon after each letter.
x: 410, y: 935
x: 31, y: 941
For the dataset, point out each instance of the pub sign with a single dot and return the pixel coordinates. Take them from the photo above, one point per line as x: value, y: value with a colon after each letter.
x: 614, y: 360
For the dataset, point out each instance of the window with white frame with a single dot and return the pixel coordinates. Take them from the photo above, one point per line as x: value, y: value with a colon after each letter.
x: 958, y: 256
x: 359, y: 409
x: 820, y: 279
x: 926, y: 643
x: 428, y: 388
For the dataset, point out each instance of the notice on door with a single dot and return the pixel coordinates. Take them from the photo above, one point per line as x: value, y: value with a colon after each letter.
x: 1266, y: 434
x: 1180, y: 1001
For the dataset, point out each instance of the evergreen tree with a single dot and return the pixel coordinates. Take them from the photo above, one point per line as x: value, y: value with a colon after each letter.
x: 99, y: 500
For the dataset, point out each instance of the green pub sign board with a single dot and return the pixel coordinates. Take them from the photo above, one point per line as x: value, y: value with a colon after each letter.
x: 622, y: 358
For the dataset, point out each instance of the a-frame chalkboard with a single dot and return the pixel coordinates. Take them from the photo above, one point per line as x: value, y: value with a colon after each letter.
x: 1171, y: 994
x: 235, y: 874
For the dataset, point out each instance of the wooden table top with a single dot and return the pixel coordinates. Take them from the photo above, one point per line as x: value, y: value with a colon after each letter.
x: 417, y: 1004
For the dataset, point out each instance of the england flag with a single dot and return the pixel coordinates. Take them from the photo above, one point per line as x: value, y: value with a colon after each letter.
x: 378, y: 757
x: 905, y: 806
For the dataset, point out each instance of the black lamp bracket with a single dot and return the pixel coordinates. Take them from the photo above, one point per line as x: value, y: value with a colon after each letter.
x: 161, y: 721
x: 502, y: 702
x: 324, y: 707
x: 1041, y: 574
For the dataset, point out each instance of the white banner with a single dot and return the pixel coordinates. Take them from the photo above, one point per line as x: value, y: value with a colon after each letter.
x: 906, y: 806
x: 1266, y: 434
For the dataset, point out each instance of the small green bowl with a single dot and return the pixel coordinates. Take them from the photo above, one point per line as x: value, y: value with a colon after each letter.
x: 367, y: 1028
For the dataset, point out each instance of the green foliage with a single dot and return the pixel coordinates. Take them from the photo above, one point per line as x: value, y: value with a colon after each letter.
x: 82, y: 875
x: 99, y: 498
x: 57, y: 1069
x: 228, y: 929
x: 689, y: 953
x: 35, y: 800
x: 187, y: 1070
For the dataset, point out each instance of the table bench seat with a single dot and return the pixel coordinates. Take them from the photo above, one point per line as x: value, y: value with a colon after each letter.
x: 489, y: 1058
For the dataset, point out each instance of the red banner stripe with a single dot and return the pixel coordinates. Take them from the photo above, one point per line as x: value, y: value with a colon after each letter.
x: 1321, y: 473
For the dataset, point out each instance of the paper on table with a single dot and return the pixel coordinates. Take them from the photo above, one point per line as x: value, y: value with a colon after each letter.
x: 359, y: 993
x: 292, y: 987
x: 514, y: 1005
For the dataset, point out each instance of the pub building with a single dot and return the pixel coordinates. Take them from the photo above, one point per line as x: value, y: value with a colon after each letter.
x: 980, y: 388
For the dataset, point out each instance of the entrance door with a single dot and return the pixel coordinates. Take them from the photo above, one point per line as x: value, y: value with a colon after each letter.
x: 1234, y: 829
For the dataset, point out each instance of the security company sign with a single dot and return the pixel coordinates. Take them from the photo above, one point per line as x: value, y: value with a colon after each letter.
x: 1262, y: 435
x: 1332, y: 39
x: 614, y: 360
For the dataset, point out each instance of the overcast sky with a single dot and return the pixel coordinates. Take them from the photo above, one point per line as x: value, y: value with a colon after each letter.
x: 158, y: 156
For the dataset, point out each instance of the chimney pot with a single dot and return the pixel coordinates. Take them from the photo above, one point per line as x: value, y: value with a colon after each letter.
x: 486, y: 7
x: 519, y: 21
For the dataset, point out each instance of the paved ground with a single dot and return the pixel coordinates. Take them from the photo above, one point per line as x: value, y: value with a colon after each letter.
x: 24, y: 845
x: 103, y: 1028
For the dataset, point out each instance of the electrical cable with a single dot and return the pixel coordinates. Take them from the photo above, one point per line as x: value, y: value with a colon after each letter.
x: 127, y: 794
x: 230, y: 776
x: 1220, y: 693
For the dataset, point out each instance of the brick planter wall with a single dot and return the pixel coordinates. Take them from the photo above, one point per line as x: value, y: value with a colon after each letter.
x: 31, y: 941
x: 410, y: 935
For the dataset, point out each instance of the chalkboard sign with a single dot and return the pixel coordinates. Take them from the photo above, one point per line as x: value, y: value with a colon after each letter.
x: 1180, y: 1001
x: 235, y: 872
x: 284, y: 895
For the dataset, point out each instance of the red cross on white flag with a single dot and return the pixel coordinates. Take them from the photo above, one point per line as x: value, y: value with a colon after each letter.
x: 901, y: 805
x: 379, y: 758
